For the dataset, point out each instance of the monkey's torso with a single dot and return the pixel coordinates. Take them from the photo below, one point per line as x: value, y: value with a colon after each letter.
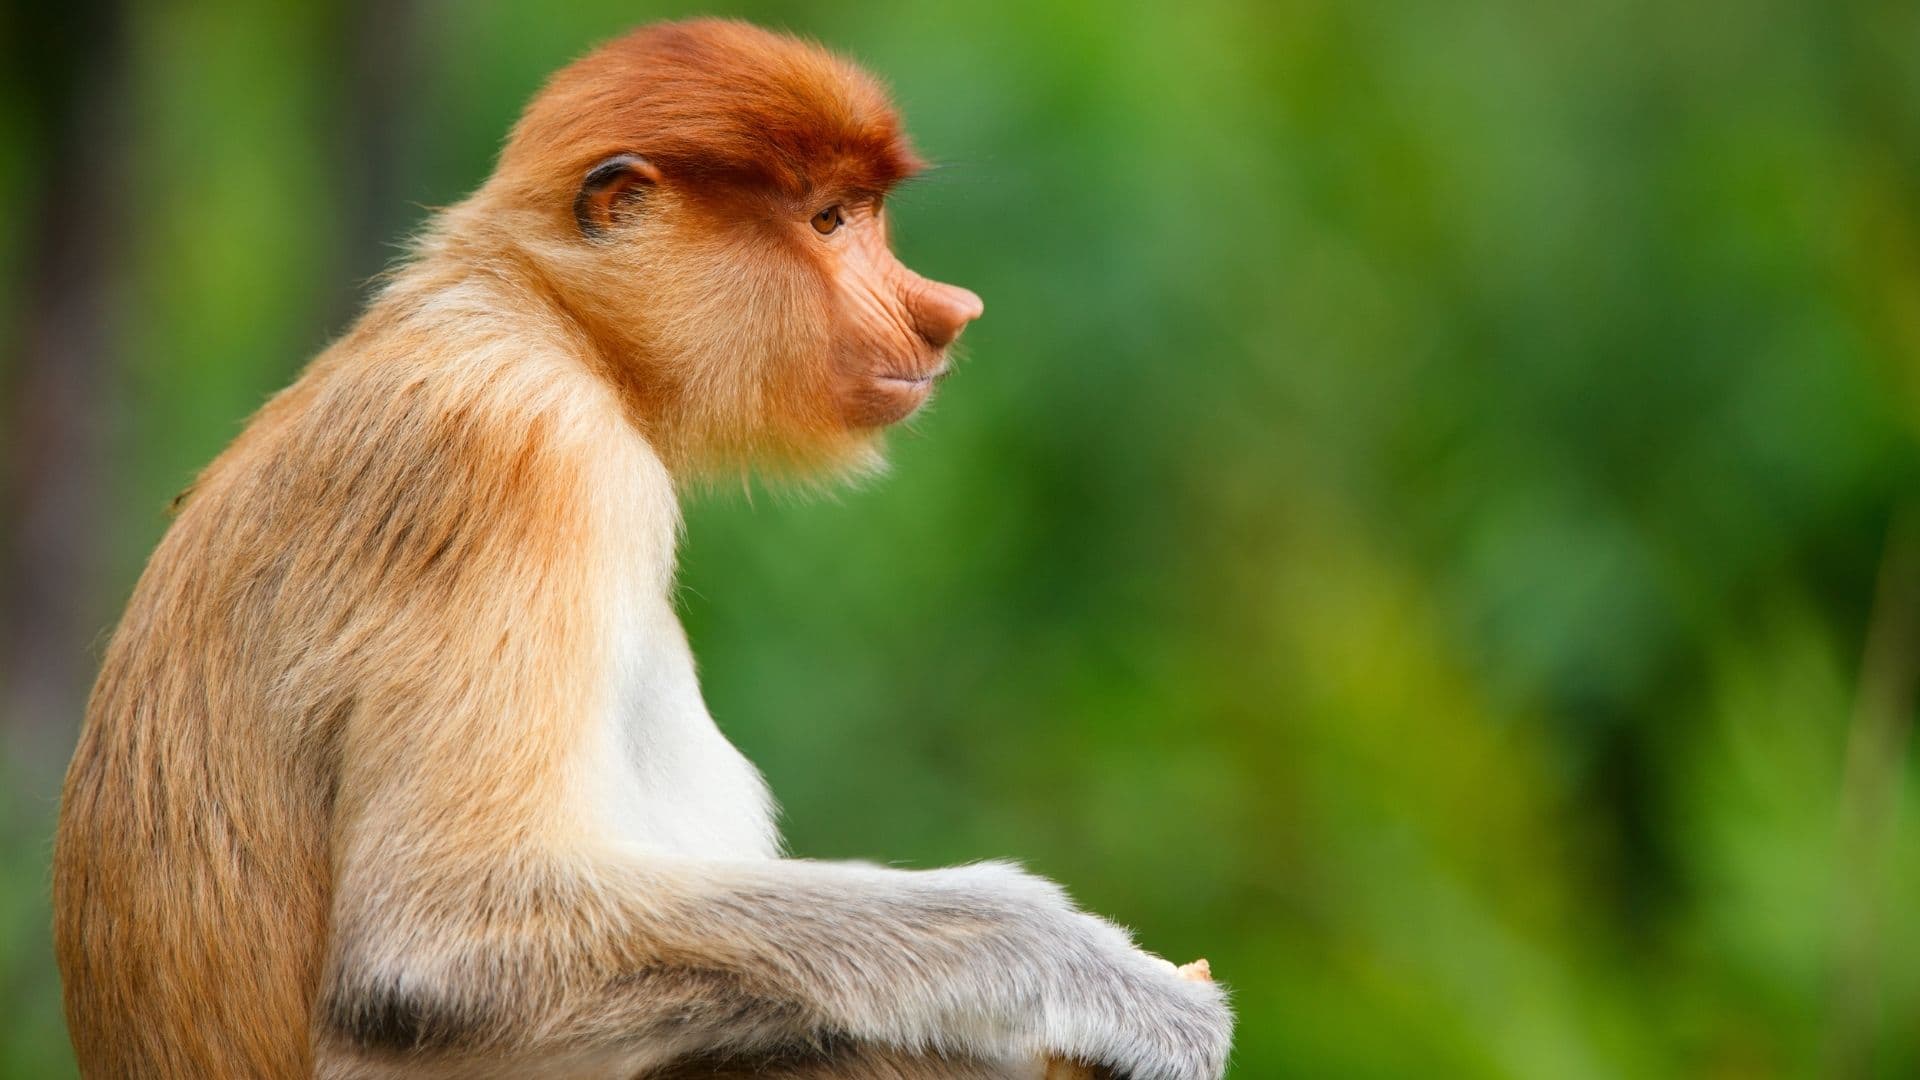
x: 197, y: 855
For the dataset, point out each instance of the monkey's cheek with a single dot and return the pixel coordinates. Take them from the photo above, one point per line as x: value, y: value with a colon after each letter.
x: 879, y: 402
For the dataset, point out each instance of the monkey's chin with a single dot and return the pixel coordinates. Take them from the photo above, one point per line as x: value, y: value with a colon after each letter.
x: 885, y: 400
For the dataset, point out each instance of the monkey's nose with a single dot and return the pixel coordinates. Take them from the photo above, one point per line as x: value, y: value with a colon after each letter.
x: 940, y: 312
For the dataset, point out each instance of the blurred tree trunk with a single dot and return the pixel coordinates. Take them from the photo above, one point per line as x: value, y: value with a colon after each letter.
x: 1867, y: 50
x: 1876, y: 764
x: 69, y: 71
x: 378, y: 42
x: 69, y: 68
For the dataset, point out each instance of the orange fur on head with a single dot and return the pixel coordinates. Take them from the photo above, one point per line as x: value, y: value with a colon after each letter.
x: 713, y: 102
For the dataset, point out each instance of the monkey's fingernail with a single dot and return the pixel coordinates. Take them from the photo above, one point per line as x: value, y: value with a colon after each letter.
x: 1198, y: 971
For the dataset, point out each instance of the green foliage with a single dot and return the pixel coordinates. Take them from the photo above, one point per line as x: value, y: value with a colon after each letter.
x: 1405, y: 528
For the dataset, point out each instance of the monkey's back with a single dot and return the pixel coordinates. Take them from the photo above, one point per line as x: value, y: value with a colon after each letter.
x: 190, y: 874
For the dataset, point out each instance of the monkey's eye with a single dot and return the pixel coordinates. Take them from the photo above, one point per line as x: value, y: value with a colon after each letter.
x: 828, y: 220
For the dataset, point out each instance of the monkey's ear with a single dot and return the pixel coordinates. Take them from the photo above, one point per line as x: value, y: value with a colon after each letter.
x: 614, y: 182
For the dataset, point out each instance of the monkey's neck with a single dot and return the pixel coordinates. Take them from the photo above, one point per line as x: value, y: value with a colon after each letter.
x: 468, y: 272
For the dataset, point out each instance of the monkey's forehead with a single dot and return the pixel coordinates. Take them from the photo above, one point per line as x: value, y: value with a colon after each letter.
x: 720, y: 101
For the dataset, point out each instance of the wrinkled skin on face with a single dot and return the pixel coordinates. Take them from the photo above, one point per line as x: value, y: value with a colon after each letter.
x: 747, y: 334
x: 892, y: 326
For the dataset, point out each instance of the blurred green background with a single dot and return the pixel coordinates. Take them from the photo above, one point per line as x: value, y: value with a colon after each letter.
x: 1430, y: 519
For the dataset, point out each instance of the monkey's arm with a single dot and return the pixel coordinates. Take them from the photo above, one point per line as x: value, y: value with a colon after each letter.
x: 547, y: 951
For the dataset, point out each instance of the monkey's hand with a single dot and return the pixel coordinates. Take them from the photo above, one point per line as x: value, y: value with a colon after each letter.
x: 1064, y: 1069
x: 1174, y: 1024
x: 1097, y: 999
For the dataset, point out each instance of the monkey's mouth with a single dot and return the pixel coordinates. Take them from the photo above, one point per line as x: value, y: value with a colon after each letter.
x: 915, y: 379
x: 888, y: 396
x: 889, y: 392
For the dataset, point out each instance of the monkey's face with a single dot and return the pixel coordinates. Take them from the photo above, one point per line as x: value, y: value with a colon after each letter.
x: 763, y: 324
x: 891, y: 327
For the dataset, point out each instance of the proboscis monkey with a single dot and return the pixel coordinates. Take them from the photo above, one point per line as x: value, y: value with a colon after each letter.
x: 397, y: 765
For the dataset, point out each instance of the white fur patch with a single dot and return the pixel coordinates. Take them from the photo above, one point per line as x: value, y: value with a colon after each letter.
x: 656, y: 772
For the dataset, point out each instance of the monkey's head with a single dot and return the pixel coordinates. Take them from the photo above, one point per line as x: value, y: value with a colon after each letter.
x: 709, y: 200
